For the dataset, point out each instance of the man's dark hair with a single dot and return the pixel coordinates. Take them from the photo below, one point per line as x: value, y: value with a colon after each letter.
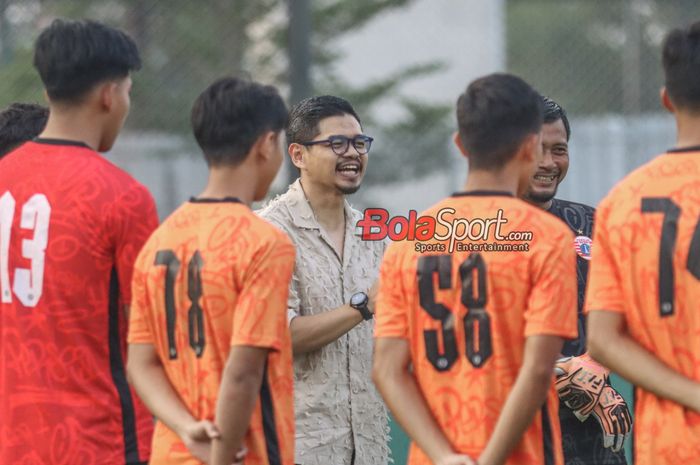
x: 19, y: 123
x: 231, y: 114
x: 73, y: 56
x: 681, y: 61
x: 495, y: 115
x: 553, y: 112
x: 305, y: 116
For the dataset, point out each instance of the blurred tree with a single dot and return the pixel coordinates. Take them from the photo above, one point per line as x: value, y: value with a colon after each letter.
x: 594, y: 56
x: 185, y: 45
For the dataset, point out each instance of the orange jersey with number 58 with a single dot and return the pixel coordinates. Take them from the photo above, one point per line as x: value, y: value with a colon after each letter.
x: 466, y: 316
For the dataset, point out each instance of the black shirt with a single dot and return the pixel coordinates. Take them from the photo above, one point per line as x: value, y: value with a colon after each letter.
x: 582, y: 442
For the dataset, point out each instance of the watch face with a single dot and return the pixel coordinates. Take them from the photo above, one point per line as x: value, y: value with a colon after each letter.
x: 358, y: 298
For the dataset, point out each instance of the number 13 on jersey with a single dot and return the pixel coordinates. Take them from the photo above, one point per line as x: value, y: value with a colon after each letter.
x: 28, y: 283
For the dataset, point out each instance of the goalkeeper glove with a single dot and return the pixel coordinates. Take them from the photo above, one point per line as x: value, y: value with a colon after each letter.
x: 614, y: 418
x: 580, y: 381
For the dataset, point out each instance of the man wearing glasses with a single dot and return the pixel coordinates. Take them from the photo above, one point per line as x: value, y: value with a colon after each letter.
x: 340, y: 418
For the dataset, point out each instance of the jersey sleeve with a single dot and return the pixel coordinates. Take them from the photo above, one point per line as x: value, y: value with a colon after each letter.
x: 552, y: 306
x: 139, y: 330
x: 604, y: 290
x: 260, y: 317
x: 391, y: 310
x: 133, y: 220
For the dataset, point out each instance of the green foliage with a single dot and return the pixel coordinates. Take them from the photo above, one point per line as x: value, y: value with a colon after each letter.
x: 20, y: 82
x: 412, y: 147
x: 341, y: 16
x: 185, y: 45
x: 578, y: 51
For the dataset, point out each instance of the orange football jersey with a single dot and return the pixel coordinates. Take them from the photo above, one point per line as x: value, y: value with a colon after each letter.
x: 646, y: 265
x: 212, y: 276
x: 466, y: 316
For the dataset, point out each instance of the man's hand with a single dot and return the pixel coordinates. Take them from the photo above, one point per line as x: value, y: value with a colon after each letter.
x: 580, y: 381
x: 372, y: 294
x: 614, y: 418
x: 455, y: 459
x: 238, y: 460
x: 198, y: 436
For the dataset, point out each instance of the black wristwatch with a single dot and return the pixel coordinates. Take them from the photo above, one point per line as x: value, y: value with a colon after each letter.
x: 359, y: 302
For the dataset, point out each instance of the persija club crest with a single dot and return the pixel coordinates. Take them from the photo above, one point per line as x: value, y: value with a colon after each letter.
x: 582, y: 245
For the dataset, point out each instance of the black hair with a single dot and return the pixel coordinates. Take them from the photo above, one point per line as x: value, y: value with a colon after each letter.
x: 495, y: 114
x: 231, y: 114
x: 74, y: 56
x: 553, y: 112
x: 681, y: 62
x: 305, y: 116
x: 19, y: 123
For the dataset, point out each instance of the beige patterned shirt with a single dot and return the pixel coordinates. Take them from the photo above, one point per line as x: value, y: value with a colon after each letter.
x: 336, y: 405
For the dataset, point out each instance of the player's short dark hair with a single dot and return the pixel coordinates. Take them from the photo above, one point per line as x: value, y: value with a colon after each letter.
x: 553, y: 112
x: 305, y: 116
x: 495, y: 115
x: 681, y: 62
x: 231, y: 114
x: 19, y: 123
x: 73, y: 56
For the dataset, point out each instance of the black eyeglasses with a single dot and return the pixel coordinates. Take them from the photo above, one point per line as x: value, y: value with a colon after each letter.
x: 341, y: 144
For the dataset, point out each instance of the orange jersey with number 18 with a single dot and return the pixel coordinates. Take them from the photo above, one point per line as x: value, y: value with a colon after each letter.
x: 466, y: 316
x: 646, y: 265
x: 213, y: 276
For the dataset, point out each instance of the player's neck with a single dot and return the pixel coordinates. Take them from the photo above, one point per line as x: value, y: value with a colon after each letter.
x: 328, y: 207
x: 688, y: 130
x: 226, y: 181
x: 482, y: 180
x: 74, y: 126
x: 543, y: 205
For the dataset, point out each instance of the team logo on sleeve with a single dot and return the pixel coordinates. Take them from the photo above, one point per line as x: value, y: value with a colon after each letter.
x: 582, y: 245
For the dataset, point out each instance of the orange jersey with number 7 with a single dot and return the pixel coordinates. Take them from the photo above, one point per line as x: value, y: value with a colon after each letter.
x: 466, y: 316
x: 213, y: 276
x: 646, y: 265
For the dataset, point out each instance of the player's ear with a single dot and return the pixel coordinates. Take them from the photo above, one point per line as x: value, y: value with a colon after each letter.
x: 458, y: 142
x: 106, y: 93
x: 260, y: 151
x: 531, y: 148
x: 296, y: 153
x: 666, y: 100
x: 267, y: 144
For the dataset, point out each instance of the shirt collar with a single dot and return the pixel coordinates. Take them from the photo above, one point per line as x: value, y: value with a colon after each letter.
x: 299, y: 207
x: 303, y: 215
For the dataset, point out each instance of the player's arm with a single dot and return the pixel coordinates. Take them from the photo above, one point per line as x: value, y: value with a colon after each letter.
x: 259, y: 327
x: 240, y: 389
x: 131, y: 224
x: 611, y: 345
x: 550, y: 315
x: 392, y: 376
x: 525, y: 399
x: 312, y: 332
x: 608, y: 339
x: 147, y: 376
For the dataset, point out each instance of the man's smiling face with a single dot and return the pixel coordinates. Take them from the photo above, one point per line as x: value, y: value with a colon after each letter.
x: 553, y: 165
